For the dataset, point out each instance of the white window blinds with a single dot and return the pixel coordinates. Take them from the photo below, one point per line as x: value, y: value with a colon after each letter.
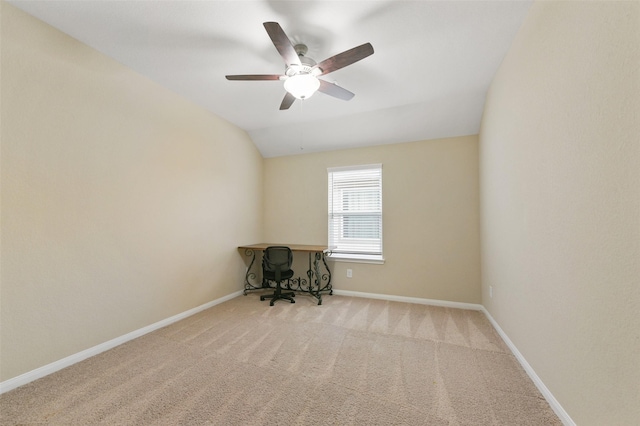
x: 355, y: 210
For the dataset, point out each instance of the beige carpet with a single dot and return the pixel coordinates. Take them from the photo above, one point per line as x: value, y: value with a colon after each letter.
x: 351, y: 361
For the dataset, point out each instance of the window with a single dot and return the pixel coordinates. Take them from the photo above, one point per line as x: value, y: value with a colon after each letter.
x: 355, y: 212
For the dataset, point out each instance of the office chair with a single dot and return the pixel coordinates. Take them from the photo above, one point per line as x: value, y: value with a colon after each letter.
x: 276, y: 266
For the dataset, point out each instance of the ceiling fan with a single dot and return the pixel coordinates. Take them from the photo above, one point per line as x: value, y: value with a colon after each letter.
x: 301, y: 72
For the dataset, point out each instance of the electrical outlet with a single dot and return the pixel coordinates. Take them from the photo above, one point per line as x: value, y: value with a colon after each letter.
x: 349, y: 273
x: 491, y: 291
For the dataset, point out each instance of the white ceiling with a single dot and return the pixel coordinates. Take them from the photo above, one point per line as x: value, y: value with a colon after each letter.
x: 432, y: 66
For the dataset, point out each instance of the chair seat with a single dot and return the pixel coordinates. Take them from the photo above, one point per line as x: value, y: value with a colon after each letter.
x: 271, y: 275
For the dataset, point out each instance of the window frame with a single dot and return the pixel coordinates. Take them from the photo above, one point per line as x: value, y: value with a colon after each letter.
x: 359, y: 256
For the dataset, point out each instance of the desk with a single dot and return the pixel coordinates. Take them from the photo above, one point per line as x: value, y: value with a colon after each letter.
x: 316, y: 282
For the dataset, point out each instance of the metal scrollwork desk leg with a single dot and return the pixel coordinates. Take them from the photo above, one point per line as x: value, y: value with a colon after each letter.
x: 250, y: 276
x: 319, y: 282
x: 326, y: 277
x: 318, y: 276
x: 313, y: 277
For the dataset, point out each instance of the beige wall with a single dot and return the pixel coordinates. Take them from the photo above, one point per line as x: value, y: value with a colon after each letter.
x: 560, y: 197
x: 122, y: 203
x: 430, y: 215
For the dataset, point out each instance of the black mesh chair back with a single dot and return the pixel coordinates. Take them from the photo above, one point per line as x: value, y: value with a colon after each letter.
x: 276, y: 266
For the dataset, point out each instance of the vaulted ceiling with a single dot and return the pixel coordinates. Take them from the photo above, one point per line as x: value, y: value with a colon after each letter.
x: 432, y: 66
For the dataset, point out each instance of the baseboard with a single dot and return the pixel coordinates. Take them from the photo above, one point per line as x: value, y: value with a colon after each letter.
x: 418, y: 300
x: 553, y: 402
x: 38, y: 373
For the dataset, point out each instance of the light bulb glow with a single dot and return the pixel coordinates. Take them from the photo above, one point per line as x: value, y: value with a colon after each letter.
x: 302, y: 86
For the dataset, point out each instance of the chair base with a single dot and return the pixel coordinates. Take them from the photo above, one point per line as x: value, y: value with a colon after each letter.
x: 277, y: 295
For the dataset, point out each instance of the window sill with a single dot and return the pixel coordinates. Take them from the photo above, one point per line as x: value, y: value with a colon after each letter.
x: 356, y: 258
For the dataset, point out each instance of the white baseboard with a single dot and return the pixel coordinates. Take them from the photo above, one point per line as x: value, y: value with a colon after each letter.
x: 553, y: 402
x: 418, y: 300
x: 38, y: 373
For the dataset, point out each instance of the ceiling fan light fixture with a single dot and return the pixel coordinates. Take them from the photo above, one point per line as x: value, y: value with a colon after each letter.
x: 302, y: 86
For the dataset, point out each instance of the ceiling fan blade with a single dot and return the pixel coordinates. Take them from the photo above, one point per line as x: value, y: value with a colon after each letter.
x: 254, y: 77
x: 345, y: 58
x: 282, y: 43
x: 287, y: 101
x: 334, y: 90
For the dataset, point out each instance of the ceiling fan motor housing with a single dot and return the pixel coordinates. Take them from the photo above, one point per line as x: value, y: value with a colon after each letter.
x: 306, y: 66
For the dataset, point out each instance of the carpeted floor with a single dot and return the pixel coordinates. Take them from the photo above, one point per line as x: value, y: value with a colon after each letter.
x: 350, y: 361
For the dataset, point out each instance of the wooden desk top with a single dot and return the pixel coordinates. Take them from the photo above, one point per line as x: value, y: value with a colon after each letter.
x: 293, y: 247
